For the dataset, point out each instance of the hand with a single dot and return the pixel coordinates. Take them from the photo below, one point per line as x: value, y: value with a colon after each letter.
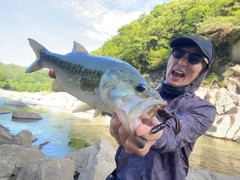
x: 122, y: 137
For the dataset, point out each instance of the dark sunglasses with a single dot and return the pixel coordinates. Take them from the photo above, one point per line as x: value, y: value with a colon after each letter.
x: 193, y: 58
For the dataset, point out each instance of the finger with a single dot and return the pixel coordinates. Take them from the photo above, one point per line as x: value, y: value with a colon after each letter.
x: 123, y: 134
x: 131, y: 147
x: 114, y: 126
x: 115, y: 123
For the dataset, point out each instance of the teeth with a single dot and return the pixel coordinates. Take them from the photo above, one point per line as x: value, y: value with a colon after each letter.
x: 179, y: 72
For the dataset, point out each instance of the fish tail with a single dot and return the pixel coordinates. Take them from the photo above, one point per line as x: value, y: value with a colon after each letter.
x: 37, y: 48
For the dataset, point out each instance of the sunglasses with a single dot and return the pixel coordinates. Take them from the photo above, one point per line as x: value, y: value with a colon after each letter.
x: 193, y: 58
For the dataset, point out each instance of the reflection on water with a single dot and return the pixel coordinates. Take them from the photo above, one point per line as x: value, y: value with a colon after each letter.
x: 66, y: 132
x: 216, y: 155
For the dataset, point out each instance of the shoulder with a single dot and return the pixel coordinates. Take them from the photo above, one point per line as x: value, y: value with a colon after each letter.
x: 192, y: 105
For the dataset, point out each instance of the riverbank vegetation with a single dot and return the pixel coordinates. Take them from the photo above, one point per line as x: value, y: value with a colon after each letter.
x: 144, y: 42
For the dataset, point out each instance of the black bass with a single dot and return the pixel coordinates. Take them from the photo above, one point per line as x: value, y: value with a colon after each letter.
x: 105, y: 83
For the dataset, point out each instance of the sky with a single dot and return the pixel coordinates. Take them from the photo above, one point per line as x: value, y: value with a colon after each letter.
x: 57, y: 23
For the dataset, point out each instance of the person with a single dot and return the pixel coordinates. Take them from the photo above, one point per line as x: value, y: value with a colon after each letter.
x: 166, y: 153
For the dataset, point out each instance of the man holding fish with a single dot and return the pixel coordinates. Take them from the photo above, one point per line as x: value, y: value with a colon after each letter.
x: 165, y: 155
x: 156, y: 130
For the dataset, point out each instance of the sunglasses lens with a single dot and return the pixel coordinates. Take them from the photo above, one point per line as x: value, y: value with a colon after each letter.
x: 194, y: 58
x: 178, y: 53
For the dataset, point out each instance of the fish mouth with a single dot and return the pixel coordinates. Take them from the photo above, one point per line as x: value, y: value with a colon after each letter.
x: 139, y: 111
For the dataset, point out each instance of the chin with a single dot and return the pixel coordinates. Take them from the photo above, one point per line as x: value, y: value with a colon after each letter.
x: 173, y: 83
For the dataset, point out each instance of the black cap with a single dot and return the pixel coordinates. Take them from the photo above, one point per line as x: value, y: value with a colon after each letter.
x: 191, y: 40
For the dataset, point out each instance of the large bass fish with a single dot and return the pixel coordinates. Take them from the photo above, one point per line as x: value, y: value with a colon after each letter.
x: 105, y: 83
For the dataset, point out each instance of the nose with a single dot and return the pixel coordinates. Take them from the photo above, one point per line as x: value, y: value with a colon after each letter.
x: 183, y: 61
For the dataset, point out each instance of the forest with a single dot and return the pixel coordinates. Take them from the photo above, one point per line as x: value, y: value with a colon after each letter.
x: 144, y: 43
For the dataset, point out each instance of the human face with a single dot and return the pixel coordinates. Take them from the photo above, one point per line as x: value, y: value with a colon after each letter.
x: 180, y: 72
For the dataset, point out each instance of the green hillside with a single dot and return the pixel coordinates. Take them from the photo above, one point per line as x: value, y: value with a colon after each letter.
x: 13, y: 77
x: 144, y: 42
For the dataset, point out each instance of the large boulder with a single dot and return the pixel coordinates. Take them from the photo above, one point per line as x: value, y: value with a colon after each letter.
x: 94, y: 162
x: 2, y: 111
x: 26, y: 116
x: 220, y: 126
x: 6, y: 137
x: 46, y: 169
x: 15, y: 103
x: 24, y: 138
x: 13, y: 157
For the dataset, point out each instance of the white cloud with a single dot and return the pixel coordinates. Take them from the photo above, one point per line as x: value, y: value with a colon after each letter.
x: 56, y: 23
x: 103, y: 18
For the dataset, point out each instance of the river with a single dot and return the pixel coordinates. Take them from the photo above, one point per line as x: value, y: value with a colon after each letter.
x: 67, y: 132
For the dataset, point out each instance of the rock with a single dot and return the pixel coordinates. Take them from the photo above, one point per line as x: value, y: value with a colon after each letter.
x: 235, y: 125
x: 47, y: 168
x: 198, y: 174
x: 220, y: 126
x: 94, y: 162
x: 26, y: 116
x: 233, y: 110
x: 15, y: 103
x: 24, y: 138
x: 13, y: 157
x: 6, y: 137
x: 237, y: 136
x: 2, y: 111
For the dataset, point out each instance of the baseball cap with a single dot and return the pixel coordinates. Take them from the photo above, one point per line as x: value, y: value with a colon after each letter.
x: 191, y: 40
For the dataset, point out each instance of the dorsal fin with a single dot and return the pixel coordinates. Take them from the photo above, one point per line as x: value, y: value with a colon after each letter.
x: 37, y: 47
x: 78, y: 48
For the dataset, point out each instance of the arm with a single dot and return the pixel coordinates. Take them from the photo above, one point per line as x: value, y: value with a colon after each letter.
x: 196, y: 118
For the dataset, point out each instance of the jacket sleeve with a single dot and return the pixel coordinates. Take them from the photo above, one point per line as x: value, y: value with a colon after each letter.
x: 196, y: 115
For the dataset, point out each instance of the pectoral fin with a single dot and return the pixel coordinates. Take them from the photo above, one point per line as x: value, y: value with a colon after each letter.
x: 97, y: 113
x: 83, y: 108
x: 56, y: 87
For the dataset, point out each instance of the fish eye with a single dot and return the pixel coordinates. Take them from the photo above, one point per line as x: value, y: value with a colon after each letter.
x: 141, y: 87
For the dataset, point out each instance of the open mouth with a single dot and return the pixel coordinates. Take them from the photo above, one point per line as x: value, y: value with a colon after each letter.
x: 178, y: 73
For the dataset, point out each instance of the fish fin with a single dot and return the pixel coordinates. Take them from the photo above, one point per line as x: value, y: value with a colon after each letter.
x: 55, y: 87
x: 79, y: 48
x: 97, y: 113
x: 83, y: 108
x: 37, y: 48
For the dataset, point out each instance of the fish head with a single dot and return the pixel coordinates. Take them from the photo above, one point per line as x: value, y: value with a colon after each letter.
x: 125, y: 92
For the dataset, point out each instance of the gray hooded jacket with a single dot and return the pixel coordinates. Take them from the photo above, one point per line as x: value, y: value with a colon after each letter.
x: 168, y: 157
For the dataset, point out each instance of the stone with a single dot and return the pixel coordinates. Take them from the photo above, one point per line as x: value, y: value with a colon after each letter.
x: 15, y: 103
x: 13, y: 157
x: 220, y: 126
x: 198, y: 174
x: 235, y: 125
x: 6, y: 137
x: 2, y: 111
x: 47, y: 168
x: 26, y: 116
x: 94, y: 162
x: 24, y: 138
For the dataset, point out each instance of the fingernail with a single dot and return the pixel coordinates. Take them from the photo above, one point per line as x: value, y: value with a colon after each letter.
x: 157, y: 128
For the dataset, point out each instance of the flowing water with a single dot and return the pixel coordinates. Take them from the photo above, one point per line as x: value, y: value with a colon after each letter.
x: 67, y: 132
